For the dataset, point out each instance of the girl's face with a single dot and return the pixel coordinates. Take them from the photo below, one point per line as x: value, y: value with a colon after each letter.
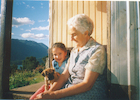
x: 59, y: 55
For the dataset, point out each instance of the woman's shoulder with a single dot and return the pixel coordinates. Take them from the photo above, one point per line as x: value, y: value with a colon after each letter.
x: 98, y: 46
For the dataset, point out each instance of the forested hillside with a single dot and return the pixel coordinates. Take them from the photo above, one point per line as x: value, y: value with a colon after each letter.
x: 20, y: 49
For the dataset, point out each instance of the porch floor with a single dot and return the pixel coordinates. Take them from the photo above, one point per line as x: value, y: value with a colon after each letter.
x: 25, y: 92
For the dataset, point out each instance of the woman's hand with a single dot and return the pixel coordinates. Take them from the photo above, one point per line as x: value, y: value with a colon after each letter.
x: 39, y: 96
x: 46, y: 95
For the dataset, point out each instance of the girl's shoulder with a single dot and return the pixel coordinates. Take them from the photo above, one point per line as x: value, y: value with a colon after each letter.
x: 54, y: 63
x: 66, y: 59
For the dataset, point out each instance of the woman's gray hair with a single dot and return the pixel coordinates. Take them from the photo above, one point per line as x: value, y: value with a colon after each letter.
x: 82, y: 23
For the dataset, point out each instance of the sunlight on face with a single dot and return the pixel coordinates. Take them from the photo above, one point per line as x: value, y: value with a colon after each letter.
x: 59, y: 55
x: 77, y: 37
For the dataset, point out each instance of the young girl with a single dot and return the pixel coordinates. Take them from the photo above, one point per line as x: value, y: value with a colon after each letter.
x: 60, y: 59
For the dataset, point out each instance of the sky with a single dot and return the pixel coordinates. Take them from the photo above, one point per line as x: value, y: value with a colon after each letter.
x: 30, y: 20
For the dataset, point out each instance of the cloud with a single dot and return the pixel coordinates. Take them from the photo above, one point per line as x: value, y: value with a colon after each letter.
x: 40, y: 28
x: 21, y: 21
x: 41, y: 5
x: 23, y: 2
x: 48, y: 20
x: 27, y: 35
x: 28, y: 30
x: 35, y: 36
x: 41, y: 20
x: 33, y: 7
x: 12, y: 33
x: 27, y: 6
x: 40, y: 36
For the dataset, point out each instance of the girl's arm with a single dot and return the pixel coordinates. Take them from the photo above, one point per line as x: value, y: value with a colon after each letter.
x: 89, y: 80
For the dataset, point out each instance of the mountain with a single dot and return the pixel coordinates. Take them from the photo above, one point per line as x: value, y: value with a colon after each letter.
x: 20, y: 49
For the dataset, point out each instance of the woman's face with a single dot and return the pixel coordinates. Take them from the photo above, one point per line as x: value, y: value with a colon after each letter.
x: 58, y: 54
x: 77, y: 37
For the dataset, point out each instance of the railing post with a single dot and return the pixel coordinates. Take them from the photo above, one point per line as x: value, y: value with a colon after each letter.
x: 5, y: 46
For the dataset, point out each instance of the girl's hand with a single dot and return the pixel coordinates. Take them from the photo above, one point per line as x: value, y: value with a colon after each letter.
x: 46, y: 95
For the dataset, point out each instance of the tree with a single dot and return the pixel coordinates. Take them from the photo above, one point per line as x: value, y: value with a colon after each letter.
x: 13, y: 68
x: 44, y: 60
x: 30, y: 63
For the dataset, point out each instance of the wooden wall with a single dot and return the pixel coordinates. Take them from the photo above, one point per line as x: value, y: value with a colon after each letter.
x: 61, y: 11
x: 125, y: 55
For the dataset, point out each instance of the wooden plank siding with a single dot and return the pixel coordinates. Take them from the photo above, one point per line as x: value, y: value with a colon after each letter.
x: 124, y: 50
x: 62, y: 10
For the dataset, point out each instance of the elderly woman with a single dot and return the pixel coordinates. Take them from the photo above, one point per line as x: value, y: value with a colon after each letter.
x: 84, y: 76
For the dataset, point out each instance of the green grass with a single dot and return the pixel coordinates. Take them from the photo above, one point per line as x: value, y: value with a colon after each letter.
x: 23, y: 78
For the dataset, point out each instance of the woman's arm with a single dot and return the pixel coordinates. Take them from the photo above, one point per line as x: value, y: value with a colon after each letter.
x: 61, y: 81
x: 89, y: 80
